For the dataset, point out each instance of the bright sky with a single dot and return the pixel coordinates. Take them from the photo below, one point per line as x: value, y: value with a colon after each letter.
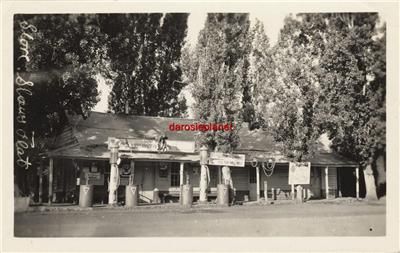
x: 273, y: 22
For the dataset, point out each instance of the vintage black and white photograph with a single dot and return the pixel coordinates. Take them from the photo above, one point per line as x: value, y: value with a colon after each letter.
x: 200, y: 124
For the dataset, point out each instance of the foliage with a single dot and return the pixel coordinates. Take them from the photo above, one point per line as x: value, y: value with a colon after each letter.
x: 293, y: 101
x: 261, y: 78
x: 354, y: 68
x: 67, y: 51
x: 145, y: 56
x: 218, y: 73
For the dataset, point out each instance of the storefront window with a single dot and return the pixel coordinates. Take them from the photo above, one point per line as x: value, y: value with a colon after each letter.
x: 163, y: 170
x: 175, y: 178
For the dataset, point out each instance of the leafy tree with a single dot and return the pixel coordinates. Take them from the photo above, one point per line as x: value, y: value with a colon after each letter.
x: 132, y: 48
x: 261, y: 78
x: 66, y: 52
x: 354, y: 83
x: 331, y: 78
x: 220, y: 62
x: 145, y: 57
x: 292, y: 106
x: 169, y: 73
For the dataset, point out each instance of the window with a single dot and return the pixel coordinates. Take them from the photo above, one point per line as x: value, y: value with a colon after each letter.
x: 175, y: 177
x: 163, y: 170
x: 252, y: 175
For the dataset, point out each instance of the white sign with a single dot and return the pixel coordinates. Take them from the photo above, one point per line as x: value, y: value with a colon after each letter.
x: 299, y: 173
x: 223, y: 159
x: 146, y: 145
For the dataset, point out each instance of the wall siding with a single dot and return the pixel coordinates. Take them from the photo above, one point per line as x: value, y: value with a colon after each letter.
x: 240, y: 178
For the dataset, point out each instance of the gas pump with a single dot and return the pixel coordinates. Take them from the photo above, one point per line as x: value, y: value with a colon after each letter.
x: 90, y: 176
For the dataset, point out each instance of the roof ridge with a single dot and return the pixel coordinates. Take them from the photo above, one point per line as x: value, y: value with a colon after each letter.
x: 131, y: 115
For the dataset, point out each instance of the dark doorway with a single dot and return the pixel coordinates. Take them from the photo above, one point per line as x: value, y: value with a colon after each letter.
x: 347, y: 182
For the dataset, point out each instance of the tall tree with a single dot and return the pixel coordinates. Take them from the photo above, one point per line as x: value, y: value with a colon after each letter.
x: 145, y: 52
x: 293, y: 104
x: 219, y: 88
x: 221, y: 62
x: 133, y: 44
x: 66, y: 52
x: 169, y: 74
x: 261, y: 78
x: 354, y: 68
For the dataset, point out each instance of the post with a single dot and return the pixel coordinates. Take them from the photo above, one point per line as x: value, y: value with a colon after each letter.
x: 326, y: 183
x: 258, y: 182
x: 299, y: 193
x: 357, y: 183
x: 203, y: 175
x: 51, y: 164
x: 41, y: 183
x: 132, y: 167
x: 266, y: 191
x: 187, y: 177
x: 292, y: 191
x: 339, y: 182
x: 181, y: 168
x: 113, y: 185
x: 219, y: 175
x: 182, y: 165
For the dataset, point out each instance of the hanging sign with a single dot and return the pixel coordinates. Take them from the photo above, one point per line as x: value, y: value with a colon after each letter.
x: 299, y: 173
x: 146, y: 145
x: 224, y: 159
x: 92, y: 178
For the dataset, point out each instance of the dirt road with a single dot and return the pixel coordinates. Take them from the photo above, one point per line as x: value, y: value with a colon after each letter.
x: 308, y: 219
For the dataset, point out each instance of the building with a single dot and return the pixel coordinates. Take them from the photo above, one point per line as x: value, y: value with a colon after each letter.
x: 81, y: 156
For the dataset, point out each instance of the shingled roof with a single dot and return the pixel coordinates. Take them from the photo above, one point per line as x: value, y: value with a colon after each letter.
x: 87, y: 138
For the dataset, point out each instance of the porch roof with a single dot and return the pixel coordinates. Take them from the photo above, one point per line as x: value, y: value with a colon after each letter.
x: 87, y: 138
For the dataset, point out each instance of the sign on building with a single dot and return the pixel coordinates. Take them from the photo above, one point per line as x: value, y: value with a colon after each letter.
x: 148, y: 145
x: 223, y: 159
x: 299, y: 173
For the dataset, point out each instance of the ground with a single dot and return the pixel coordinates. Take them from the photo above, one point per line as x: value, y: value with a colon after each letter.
x: 313, y: 218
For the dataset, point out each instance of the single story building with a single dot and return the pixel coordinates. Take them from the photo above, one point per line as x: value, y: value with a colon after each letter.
x: 81, y: 156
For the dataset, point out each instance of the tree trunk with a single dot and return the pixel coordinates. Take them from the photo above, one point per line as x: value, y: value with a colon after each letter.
x: 370, y: 187
x: 381, y: 176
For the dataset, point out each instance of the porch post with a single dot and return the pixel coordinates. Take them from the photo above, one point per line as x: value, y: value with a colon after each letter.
x: 357, y: 183
x: 219, y: 175
x: 258, y: 182
x: 203, y: 175
x: 41, y: 182
x: 132, y: 168
x: 326, y: 183
x: 182, y: 164
x: 266, y: 191
x: 181, y: 180
x: 292, y: 191
x: 50, y: 180
x: 114, y: 175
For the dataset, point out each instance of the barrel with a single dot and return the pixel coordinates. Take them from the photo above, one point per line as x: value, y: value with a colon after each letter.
x: 222, y: 195
x: 187, y: 195
x: 131, y: 195
x: 85, y: 195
